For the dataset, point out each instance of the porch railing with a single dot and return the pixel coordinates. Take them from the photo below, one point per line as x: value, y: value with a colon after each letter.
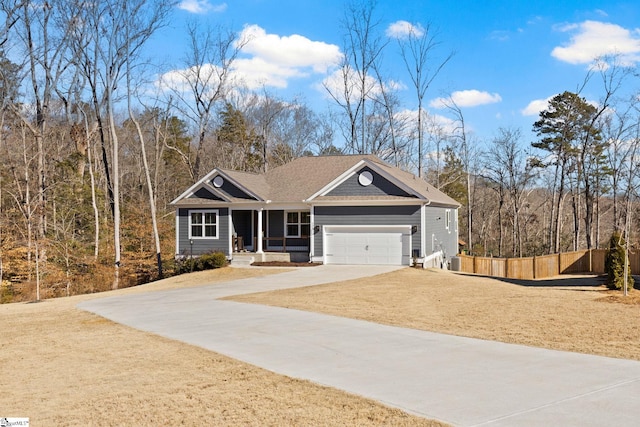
x: 283, y: 240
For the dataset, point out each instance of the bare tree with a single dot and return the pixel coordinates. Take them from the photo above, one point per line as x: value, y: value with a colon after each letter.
x: 591, y: 148
x: 108, y: 35
x: 416, y: 51
x: 363, y: 48
x: 207, y: 78
x: 510, y: 170
x: 466, y: 155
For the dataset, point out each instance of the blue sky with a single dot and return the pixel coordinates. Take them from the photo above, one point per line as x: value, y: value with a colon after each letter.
x: 510, y: 56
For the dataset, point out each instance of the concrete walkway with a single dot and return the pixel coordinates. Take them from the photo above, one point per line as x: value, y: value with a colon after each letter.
x: 461, y: 381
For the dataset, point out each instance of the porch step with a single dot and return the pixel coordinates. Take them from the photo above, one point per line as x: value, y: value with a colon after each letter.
x: 246, y: 258
x: 241, y: 259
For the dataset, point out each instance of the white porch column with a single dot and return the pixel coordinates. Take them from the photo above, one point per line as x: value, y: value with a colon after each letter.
x: 231, y: 233
x: 423, y: 230
x: 260, y: 232
x: 312, y: 227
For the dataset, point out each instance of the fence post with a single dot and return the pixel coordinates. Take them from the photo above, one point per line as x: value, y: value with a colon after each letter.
x: 559, y: 263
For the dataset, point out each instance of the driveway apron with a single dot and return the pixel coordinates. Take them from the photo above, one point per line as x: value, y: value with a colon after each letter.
x: 461, y: 381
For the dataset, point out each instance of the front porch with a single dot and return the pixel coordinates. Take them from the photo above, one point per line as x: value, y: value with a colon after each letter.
x: 284, y: 235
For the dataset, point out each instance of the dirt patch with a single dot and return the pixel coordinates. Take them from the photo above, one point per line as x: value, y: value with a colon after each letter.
x: 565, y: 313
x: 633, y: 298
x: 63, y: 366
x: 284, y: 264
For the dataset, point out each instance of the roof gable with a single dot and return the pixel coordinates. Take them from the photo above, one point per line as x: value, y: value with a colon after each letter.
x: 318, y: 178
x: 222, y: 184
x: 372, y: 165
x: 367, y: 182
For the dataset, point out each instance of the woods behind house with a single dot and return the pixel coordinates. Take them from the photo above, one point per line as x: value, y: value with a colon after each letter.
x: 94, y: 145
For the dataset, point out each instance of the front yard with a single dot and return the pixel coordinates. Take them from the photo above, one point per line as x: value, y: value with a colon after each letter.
x: 572, y: 313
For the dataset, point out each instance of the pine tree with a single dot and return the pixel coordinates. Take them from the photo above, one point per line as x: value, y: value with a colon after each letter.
x: 614, y: 263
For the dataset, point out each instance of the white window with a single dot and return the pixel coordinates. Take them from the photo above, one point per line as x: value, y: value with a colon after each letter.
x: 297, y: 224
x: 203, y: 224
x: 456, y: 221
x: 447, y: 219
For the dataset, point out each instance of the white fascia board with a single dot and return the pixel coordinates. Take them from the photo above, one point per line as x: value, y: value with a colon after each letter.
x: 189, y: 191
x: 356, y: 202
x: 339, y: 180
x: 445, y: 205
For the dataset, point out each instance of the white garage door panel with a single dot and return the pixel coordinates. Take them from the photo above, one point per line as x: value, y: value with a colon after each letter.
x: 367, y: 247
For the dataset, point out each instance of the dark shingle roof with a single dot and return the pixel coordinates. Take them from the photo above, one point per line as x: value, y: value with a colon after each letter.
x: 304, y: 177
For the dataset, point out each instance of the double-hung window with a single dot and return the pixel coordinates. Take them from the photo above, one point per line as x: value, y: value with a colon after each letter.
x: 297, y: 223
x: 447, y: 219
x: 203, y: 224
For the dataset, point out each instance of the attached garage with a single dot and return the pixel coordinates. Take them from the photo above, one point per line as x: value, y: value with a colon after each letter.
x: 375, y: 245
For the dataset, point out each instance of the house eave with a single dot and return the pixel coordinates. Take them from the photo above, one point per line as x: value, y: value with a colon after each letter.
x: 370, y: 202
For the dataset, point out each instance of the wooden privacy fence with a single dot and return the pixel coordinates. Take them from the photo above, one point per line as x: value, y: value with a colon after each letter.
x: 587, y: 261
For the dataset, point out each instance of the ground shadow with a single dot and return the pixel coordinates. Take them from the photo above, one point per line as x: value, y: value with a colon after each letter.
x: 569, y: 281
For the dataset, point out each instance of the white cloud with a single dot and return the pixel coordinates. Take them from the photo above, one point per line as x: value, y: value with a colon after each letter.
x: 592, y: 39
x: 293, y: 51
x: 345, y: 82
x: 467, y: 98
x: 404, y: 29
x: 264, y: 60
x: 500, y: 35
x: 201, y: 6
x: 182, y: 80
x: 535, y: 106
x: 257, y: 72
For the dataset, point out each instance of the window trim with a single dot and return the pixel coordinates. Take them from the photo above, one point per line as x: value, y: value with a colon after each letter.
x: 299, y: 224
x: 216, y: 212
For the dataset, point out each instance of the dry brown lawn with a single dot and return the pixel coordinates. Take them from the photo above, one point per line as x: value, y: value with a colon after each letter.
x: 63, y: 366
x: 574, y: 313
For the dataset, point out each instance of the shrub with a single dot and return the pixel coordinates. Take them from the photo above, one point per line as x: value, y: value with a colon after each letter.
x: 207, y: 261
x: 211, y: 260
x: 6, y: 292
x: 614, y: 263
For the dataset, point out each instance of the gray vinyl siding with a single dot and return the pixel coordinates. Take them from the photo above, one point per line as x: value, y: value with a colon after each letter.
x: 379, y: 187
x: 201, y: 246
x: 203, y: 193
x: 366, y: 215
x: 233, y: 191
x: 437, y: 236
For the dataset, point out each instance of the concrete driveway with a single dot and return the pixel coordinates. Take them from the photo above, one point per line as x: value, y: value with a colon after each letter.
x: 461, y: 381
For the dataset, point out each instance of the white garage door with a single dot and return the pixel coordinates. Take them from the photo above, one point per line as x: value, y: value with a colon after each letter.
x: 367, y: 245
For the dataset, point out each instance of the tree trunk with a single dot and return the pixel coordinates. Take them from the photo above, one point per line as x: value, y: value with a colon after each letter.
x: 152, y: 204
